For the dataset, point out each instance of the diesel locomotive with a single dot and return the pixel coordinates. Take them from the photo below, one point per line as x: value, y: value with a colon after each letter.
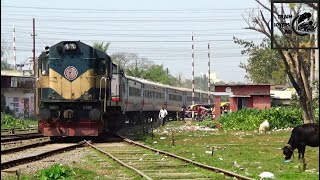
x: 81, y: 92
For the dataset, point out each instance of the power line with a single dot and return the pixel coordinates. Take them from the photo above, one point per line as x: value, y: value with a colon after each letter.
x: 133, y: 10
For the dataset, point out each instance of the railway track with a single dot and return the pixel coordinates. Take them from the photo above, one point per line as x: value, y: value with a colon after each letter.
x: 16, y: 137
x: 17, y: 130
x: 24, y: 147
x: 24, y: 160
x: 150, y: 163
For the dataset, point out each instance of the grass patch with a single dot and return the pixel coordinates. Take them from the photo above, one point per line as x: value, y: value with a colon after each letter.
x: 243, y: 152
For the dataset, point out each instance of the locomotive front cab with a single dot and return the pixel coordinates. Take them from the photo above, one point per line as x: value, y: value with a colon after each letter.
x: 73, y: 87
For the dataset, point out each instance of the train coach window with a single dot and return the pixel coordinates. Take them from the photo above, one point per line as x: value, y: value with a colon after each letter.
x: 134, y: 91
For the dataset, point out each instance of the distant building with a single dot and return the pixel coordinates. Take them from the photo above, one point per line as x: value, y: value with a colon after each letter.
x: 18, y: 89
x: 241, y: 96
x: 281, y: 96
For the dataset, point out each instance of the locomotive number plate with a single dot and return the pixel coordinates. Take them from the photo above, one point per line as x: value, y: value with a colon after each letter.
x: 71, y: 73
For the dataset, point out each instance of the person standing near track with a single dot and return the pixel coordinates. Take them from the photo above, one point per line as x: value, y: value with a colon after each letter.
x: 162, y: 115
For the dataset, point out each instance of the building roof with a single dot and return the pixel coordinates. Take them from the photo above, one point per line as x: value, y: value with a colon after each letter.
x: 242, y: 84
x: 287, y: 94
x: 17, y: 73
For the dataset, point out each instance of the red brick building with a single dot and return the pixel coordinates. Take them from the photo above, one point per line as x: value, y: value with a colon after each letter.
x: 243, y: 96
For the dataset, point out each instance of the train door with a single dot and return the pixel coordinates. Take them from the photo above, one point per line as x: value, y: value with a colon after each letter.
x: 166, y: 96
x: 115, y: 88
x: 143, y: 96
x: 124, y: 94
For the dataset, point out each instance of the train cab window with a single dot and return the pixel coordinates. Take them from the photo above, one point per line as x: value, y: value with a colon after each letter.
x: 114, y: 69
x: 101, y: 66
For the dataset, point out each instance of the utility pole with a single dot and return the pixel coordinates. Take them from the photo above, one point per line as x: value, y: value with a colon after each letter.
x: 208, y: 73
x: 34, y: 68
x: 192, y: 76
x: 14, y: 48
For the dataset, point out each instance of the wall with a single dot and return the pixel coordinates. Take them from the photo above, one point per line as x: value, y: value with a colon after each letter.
x: 15, y: 100
x: 245, y: 89
x: 261, y: 102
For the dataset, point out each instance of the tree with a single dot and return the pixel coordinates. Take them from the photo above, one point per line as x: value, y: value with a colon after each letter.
x: 157, y: 73
x: 101, y: 46
x: 264, y: 64
x: 295, y: 66
x: 131, y: 63
x: 123, y: 59
x: 4, y: 53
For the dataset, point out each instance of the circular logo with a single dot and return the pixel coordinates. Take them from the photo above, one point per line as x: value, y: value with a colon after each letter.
x: 71, y: 73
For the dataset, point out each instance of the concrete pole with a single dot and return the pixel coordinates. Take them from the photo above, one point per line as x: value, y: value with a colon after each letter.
x: 34, y: 68
x: 14, y: 48
x: 192, y: 75
x: 208, y: 73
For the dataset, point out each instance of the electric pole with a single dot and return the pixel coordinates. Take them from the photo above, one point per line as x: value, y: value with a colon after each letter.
x: 34, y: 68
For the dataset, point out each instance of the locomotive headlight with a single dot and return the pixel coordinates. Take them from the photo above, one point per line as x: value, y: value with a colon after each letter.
x: 94, y: 114
x: 45, y: 114
x: 70, y: 46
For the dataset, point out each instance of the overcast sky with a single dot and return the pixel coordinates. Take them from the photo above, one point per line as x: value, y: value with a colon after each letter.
x: 158, y: 30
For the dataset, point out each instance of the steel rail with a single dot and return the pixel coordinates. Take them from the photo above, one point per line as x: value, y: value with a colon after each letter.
x: 17, y: 129
x: 18, y: 135
x: 211, y: 168
x: 16, y: 162
x: 119, y: 161
x: 21, y: 148
x: 22, y: 138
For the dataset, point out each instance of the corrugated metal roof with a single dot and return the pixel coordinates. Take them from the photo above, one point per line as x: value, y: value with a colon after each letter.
x: 287, y: 94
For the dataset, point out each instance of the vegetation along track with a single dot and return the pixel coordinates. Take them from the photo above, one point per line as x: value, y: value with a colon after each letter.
x: 152, y: 163
x: 24, y: 160
x: 10, y: 138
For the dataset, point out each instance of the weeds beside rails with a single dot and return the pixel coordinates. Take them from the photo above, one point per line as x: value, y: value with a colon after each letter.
x: 10, y: 122
x: 250, y: 119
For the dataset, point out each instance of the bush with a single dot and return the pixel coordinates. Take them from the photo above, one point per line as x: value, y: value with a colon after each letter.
x: 250, y: 119
x: 9, y: 121
x: 208, y: 122
x: 56, y: 171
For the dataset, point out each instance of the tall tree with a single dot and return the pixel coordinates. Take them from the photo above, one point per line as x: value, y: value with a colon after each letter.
x: 295, y: 67
x: 157, y: 73
x: 264, y: 64
x: 4, y: 54
x: 102, y: 46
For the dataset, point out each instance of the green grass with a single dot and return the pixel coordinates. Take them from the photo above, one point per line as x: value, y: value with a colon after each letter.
x: 253, y: 153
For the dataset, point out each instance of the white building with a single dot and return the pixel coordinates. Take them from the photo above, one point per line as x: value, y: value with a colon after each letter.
x: 18, y: 90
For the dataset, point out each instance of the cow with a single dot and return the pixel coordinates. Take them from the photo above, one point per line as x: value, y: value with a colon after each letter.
x: 302, y: 136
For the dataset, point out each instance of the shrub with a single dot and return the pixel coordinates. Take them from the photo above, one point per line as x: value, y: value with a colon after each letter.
x: 56, y: 171
x: 250, y: 119
x: 208, y: 122
x: 9, y: 121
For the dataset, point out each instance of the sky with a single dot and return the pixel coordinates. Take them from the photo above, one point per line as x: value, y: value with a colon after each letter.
x: 158, y: 30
